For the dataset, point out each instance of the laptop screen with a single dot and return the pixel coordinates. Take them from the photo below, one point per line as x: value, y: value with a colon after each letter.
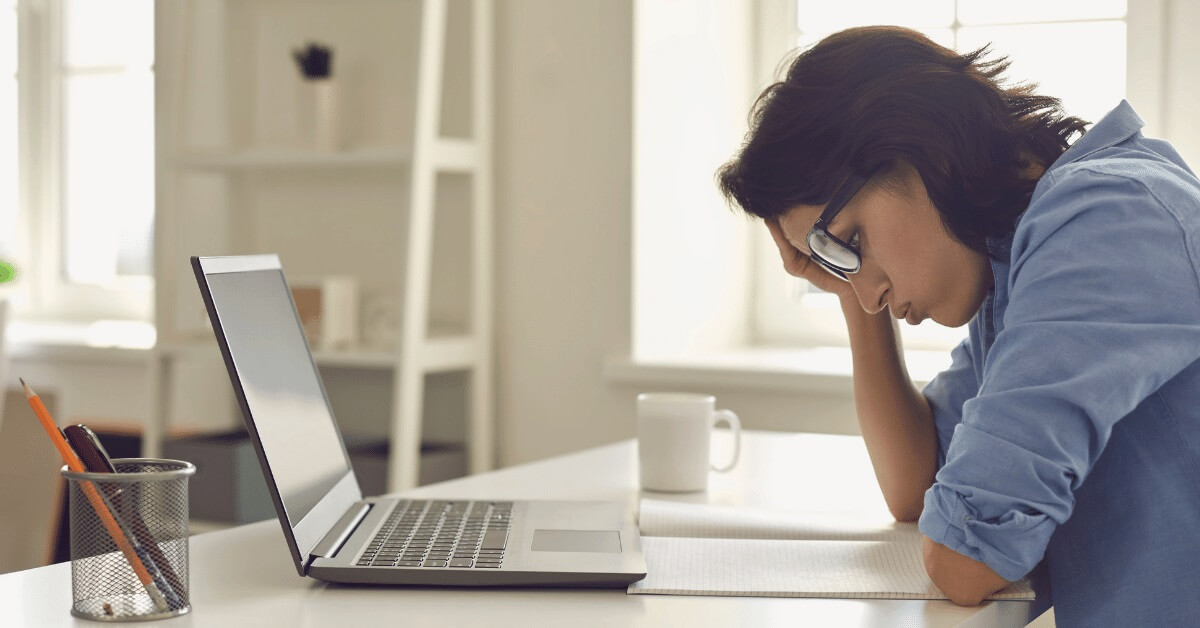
x: 281, y: 384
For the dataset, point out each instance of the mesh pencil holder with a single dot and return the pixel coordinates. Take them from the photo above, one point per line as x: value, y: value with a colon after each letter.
x: 129, y: 540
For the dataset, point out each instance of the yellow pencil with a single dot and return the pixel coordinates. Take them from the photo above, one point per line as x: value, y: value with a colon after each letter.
x: 114, y: 530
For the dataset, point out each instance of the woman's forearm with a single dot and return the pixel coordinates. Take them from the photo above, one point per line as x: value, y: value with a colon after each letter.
x: 894, y: 417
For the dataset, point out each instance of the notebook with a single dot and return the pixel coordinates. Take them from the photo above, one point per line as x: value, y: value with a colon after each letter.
x: 701, y: 549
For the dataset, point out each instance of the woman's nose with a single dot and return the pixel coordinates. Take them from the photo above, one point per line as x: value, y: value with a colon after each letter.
x: 871, y: 292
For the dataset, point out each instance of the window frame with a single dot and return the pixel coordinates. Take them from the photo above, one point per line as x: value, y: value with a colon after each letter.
x: 778, y: 316
x: 44, y: 291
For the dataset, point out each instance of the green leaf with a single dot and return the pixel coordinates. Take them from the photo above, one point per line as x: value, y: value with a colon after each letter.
x: 8, y: 272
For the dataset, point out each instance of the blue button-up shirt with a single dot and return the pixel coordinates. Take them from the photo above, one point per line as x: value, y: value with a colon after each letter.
x: 1068, y: 423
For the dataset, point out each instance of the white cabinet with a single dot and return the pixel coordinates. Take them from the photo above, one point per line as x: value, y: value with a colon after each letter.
x: 403, y: 204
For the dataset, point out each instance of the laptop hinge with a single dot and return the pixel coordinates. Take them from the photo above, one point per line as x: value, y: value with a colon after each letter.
x: 337, y: 535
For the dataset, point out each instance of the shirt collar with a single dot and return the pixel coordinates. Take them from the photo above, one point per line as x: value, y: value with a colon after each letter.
x: 1115, y: 127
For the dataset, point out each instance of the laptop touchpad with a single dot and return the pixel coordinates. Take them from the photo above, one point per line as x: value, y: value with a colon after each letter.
x: 608, y: 541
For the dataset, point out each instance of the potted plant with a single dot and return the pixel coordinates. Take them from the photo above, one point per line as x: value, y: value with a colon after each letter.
x: 316, y: 69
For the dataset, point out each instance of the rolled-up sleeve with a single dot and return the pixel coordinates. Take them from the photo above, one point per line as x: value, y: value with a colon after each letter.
x: 1104, y: 308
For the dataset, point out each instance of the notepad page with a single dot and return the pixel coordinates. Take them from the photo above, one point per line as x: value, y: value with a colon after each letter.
x: 783, y: 568
x: 667, y: 518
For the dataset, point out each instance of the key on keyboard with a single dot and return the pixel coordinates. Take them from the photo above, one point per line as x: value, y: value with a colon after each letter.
x: 457, y: 534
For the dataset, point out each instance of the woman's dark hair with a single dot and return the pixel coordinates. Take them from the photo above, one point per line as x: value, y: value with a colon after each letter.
x: 865, y: 99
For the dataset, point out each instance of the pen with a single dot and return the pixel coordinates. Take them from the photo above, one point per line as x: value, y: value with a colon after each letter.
x: 88, y: 447
x: 93, y: 496
x: 95, y: 459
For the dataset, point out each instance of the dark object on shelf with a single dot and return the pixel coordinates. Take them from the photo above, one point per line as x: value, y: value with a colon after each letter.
x: 316, y: 61
x: 229, y: 485
x: 369, y: 456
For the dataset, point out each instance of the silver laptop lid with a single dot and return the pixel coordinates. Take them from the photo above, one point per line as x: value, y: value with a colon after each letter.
x: 281, y: 395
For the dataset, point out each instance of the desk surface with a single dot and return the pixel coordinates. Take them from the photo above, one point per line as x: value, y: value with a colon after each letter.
x: 244, y: 576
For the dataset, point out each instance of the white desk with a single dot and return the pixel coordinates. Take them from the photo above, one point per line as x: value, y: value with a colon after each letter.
x: 244, y: 576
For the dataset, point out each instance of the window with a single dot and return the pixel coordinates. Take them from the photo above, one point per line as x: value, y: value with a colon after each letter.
x: 1030, y: 33
x: 83, y: 156
x: 8, y: 127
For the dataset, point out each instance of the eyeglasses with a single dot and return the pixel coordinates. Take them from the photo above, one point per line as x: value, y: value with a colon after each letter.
x: 836, y: 256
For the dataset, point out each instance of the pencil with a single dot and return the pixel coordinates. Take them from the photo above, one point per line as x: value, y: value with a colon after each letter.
x: 93, y: 496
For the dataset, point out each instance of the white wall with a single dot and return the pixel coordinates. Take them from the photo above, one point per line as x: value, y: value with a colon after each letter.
x: 563, y: 134
x: 1182, y: 79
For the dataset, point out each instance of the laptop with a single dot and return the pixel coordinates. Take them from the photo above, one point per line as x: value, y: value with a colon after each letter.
x: 337, y: 535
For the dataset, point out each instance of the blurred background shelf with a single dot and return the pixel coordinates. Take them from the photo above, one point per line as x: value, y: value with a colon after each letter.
x: 400, y: 204
x: 283, y: 158
x: 439, y: 353
x: 227, y: 465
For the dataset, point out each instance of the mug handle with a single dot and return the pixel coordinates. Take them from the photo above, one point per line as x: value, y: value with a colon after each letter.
x: 734, y: 424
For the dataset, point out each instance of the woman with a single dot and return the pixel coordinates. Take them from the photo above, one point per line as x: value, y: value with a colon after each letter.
x: 907, y: 180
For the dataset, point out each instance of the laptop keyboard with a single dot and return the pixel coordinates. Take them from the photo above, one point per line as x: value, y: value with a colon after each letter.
x: 429, y: 533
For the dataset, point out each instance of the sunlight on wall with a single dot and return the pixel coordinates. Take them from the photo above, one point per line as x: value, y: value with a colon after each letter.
x: 691, y: 94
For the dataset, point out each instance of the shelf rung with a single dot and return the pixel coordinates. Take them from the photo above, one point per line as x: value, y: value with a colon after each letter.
x: 358, y: 358
x: 448, y: 353
x: 300, y: 158
x: 378, y: 359
x: 438, y: 354
x: 455, y: 155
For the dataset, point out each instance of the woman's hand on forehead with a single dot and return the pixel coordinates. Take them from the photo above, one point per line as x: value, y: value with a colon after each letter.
x: 787, y: 249
x: 777, y: 225
x: 798, y: 264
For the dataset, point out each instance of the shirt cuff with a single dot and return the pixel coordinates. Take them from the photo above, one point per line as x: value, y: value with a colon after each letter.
x: 1011, y: 545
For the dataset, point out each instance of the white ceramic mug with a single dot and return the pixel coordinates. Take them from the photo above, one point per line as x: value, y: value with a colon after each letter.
x: 674, y: 434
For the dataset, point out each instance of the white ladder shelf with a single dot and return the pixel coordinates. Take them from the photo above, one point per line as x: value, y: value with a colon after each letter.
x: 419, y: 353
x: 432, y: 154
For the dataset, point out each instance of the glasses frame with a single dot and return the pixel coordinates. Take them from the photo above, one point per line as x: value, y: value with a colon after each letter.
x: 820, y: 229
